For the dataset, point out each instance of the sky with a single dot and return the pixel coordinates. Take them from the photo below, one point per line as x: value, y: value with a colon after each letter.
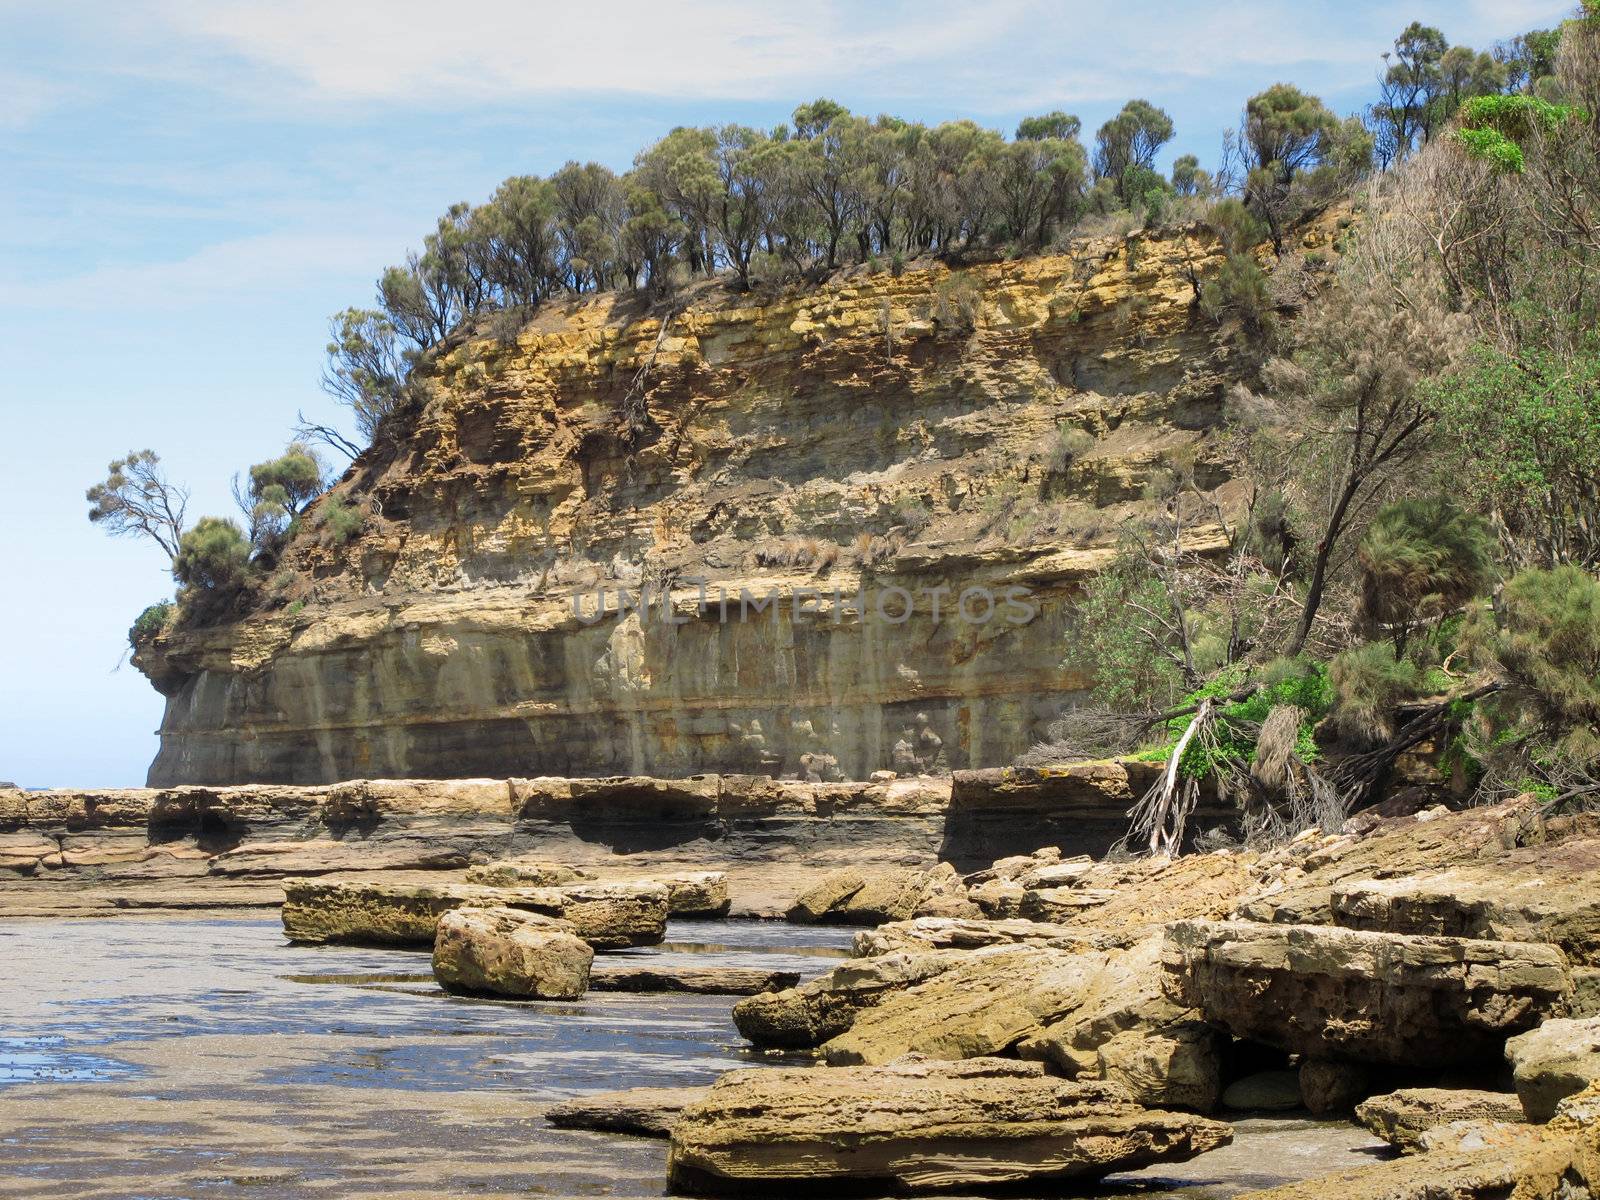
x: 189, y: 190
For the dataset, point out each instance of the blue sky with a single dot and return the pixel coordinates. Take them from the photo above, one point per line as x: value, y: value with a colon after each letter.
x: 188, y: 190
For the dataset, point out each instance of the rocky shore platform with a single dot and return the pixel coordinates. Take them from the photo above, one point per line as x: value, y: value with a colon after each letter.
x: 1424, y: 981
x: 95, y: 852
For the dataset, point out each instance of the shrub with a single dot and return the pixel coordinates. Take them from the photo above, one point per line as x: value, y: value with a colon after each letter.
x: 1420, y: 561
x: 149, y: 623
x: 1544, y: 644
x: 1068, y: 445
x: 342, y: 519
x: 213, y: 561
x: 956, y: 303
x: 1369, y: 682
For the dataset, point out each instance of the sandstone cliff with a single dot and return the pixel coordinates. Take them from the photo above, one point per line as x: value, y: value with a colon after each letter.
x: 985, y: 428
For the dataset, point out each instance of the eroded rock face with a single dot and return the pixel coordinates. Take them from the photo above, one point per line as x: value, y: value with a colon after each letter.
x: 705, y: 981
x: 507, y: 952
x: 1401, y: 1118
x: 920, y: 1126
x: 1556, y: 1060
x: 840, y: 437
x: 1367, y: 997
x: 514, y: 872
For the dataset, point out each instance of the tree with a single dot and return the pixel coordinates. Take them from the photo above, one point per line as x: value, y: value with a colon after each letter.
x: 278, y: 491
x: 831, y: 162
x: 1356, y: 385
x: 136, y: 498
x: 1187, y: 177
x: 1421, y: 560
x: 368, y: 369
x: 1284, y: 135
x: 1040, y: 182
x: 1411, y: 80
x: 1132, y: 138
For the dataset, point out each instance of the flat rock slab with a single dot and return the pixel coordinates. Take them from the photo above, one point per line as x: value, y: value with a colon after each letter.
x: 607, y: 916
x: 645, y: 1111
x: 1556, y: 1060
x: 706, y: 981
x: 1401, y: 1118
x: 1346, y: 994
x: 918, y: 1126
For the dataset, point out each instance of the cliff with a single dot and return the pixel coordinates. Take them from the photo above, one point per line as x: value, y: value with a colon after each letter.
x: 931, y: 431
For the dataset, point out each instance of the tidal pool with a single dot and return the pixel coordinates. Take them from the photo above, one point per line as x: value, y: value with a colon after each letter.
x: 193, y: 1057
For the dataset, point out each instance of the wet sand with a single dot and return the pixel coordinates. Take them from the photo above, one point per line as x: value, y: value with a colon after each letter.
x: 204, y: 1056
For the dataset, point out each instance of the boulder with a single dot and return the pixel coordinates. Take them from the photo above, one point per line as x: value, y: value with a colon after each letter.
x: 525, y: 872
x: 804, y: 1017
x: 693, y: 894
x: 1329, y: 1088
x: 705, y: 981
x: 916, y: 1126
x: 644, y: 1111
x: 1559, y: 1059
x: 944, y: 895
x: 814, y: 904
x: 888, y: 894
x: 1352, y: 995
x: 1265, y: 1091
x: 1401, y: 1118
x: 1504, y: 1136
x: 506, y: 952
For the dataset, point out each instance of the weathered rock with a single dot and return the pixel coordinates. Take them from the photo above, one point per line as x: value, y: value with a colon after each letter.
x: 697, y: 893
x: 706, y: 981
x: 1466, y: 1136
x: 615, y: 916
x: 645, y: 1111
x: 1328, y: 1088
x: 1558, y: 1059
x: 1126, y: 901
x: 1265, y: 1091
x: 886, y: 895
x: 948, y: 933
x: 607, y: 916
x: 944, y: 895
x: 920, y: 1126
x: 505, y: 952
x: 1532, y: 1169
x: 815, y: 903
x: 998, y: 898
x: 1092, y: 1014
x: 518, y: 872
x: 1401, y: 1118
x: 1549, y: 893
x: 805, y: 1017
x: 1297, y: 882
x: 1368, y: 997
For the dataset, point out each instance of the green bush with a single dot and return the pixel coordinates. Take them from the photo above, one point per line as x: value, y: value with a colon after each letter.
x: 1544, y: 644
x: 1369, y: 682
x: 1298, y: 682
x: 342, y: 519
x: 149, y: 623
x: 1421, y: 560
x: 213, y: 558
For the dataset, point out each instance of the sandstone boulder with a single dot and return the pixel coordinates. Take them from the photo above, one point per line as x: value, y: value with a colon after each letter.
x: 814, y: 904
x: 1401, y: 1118
x: 693, y: 894
x: 920, y: 1126
x: 645, y: 1111
x: 505, y: 952
x: 887, y: 894
x: 1559, y: 1059
x: 804, y: 1017
x: 1366, y: 997
x: 944, y: 895
x: 1327, y: 1088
